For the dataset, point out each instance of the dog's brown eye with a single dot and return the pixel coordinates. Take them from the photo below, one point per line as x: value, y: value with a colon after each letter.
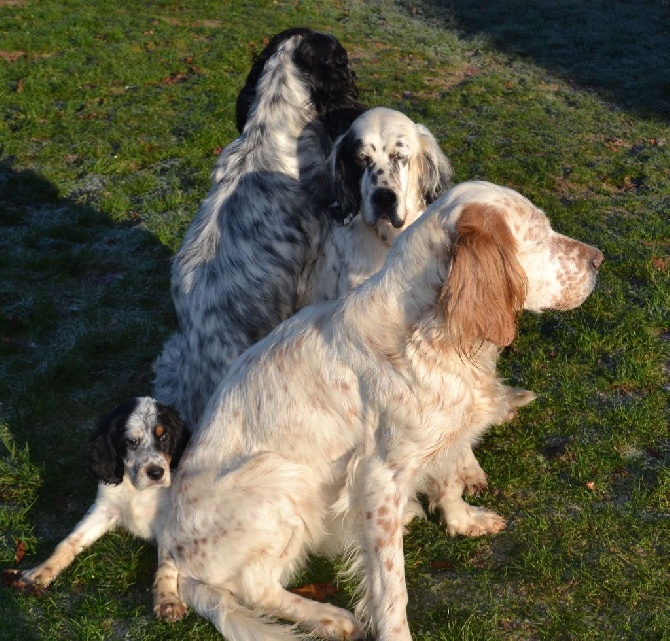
x: 130, y: 443
x: 364, y: 161
x: 162, y: 438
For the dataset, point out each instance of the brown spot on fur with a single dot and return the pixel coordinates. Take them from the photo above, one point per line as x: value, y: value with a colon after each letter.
x: 388, y: 564
x: 317, y: 404
x: 352, y: 415
x: 159, y: 430
x: 387, y: 525
x: 383, y: 510
x: 342, y: 386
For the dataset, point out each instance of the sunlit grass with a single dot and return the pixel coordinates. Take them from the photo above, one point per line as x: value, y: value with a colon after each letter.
x: 111, y: 118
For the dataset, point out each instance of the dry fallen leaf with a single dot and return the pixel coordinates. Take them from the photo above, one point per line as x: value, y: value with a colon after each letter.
x: 660, y: 263
x: 315, y: 591
x: 19, y: 551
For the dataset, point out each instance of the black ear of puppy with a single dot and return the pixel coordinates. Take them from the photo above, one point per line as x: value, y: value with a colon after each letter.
x: 247, y: 94
x: 104, y: 456
x: 179, y: 433
x: 345, y: 178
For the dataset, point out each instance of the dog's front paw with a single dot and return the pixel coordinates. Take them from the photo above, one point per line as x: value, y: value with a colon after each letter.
x: 171, y: 609
x: 413, y: 510
x: 29, y: 581
x: 475, y: 521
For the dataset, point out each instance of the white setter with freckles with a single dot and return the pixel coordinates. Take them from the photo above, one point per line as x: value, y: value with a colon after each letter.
x: 131, y: 456
x: 323, y: 432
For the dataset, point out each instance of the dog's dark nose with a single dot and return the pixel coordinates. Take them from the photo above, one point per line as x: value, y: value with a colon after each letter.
x: 155, y: 473
x: 384, y: 199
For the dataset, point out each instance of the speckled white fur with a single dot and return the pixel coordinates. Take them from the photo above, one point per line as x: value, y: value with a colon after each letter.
x: 323, y: 433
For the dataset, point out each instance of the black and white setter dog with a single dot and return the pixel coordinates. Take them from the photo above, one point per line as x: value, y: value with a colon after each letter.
x: 244, y: 263
x: 132, y: 456
x: 323, y: 433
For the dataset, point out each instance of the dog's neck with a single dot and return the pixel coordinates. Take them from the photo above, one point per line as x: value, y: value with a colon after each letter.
x: 406, y: 288
x: 402, y: 298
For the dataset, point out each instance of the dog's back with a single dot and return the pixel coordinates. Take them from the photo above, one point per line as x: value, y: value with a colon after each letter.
x: 245, y: 259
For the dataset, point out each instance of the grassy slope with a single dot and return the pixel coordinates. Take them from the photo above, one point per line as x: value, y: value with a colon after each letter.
x: 111, y: 117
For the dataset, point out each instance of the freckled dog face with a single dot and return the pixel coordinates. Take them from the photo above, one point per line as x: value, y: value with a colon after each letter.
x: 388, y: 169
x: 561, y: 271
x: 150, y: 441
x: 140, y: 438
x: 383, y: 150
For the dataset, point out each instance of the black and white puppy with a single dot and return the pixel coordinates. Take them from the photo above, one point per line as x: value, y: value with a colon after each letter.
x: 131, y: 455
x: 244, y: 263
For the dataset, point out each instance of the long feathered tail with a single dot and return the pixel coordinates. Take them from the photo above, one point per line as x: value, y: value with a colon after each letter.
x: 232, y: 619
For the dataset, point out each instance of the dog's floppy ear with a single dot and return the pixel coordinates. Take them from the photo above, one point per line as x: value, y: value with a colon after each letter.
x: 433, y: 167
x: 344, y: 178
x: 104, y: 456
x: 486, y: 286
x: 179, y: 433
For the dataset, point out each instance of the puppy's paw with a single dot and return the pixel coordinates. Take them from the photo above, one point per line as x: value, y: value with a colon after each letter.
x: 475, y: 481
x: 171, y: 609
x: 342, y: 628
x: 28, y: 581
x: 414, y: 510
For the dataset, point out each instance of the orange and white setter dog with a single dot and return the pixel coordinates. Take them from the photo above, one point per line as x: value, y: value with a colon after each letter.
x: 321, y: 436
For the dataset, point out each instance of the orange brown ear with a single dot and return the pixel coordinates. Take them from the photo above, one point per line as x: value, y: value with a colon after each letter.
x: 486, y: 286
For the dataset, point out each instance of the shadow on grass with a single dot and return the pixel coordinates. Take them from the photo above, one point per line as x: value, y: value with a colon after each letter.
x: 84, y: 307
x: 616, y: 47
x: 80, y: 297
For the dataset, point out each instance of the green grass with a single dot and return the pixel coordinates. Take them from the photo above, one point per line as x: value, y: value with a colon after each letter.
x: 111, y: 115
